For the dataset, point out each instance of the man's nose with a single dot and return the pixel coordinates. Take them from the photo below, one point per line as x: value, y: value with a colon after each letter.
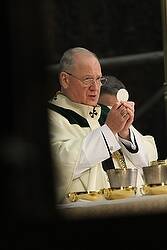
x: 95, y: 85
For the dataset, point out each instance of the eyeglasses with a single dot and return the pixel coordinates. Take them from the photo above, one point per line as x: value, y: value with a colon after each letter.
x: 90, y: 81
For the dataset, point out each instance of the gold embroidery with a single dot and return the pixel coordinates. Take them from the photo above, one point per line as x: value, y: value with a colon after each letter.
x: 118, y: 156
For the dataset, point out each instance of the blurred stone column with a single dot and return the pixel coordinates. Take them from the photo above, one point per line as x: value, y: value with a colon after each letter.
x: 164, y: 29
x: 27, y: 182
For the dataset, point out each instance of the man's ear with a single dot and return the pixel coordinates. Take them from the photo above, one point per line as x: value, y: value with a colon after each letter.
x: 64, y: 80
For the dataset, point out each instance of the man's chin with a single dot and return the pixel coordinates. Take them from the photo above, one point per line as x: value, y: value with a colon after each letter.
x: 92, y: 102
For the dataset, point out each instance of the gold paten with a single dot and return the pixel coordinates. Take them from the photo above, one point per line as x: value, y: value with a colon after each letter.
x: 105, y: 193
x: 119, y: 193
x: 90, y: 196
x: 154, y: 189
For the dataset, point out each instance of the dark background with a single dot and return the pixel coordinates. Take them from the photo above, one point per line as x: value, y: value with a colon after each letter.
x: 127, y: 37
x: 109, y: 28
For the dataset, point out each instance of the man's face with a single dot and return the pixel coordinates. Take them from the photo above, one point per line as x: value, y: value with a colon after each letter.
x: 107, y: 99
x: 81, y: 84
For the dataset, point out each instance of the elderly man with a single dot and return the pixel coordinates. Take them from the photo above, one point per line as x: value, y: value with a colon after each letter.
x: 82, y: 135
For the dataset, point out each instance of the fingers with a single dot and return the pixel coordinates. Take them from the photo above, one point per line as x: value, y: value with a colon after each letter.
x: 119, y: 117
x: 122, y: 111
x: 129, y: 105
x: 126, y: 109
x: 125, y: 115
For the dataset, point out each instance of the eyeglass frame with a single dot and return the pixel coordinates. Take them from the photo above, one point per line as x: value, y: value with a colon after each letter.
x: 90, y: 79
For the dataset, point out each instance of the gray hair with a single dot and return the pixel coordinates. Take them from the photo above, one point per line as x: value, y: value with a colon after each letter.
x: 68, y: 60
x: 111, y: 86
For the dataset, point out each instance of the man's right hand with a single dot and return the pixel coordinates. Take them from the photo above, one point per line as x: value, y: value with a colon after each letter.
x: 117, y: 117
